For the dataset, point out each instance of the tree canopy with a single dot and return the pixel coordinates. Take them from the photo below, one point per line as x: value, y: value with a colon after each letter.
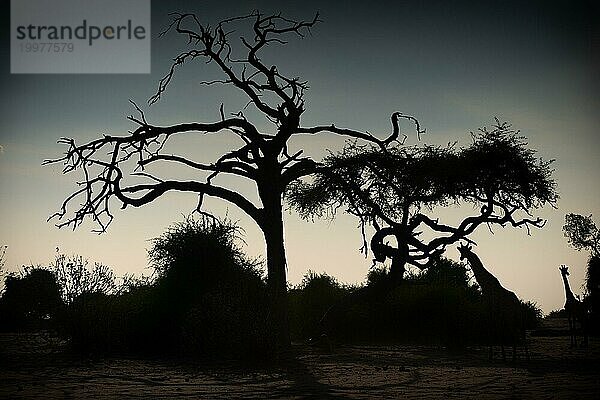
x: 395, y: 190
x: 582, y: 233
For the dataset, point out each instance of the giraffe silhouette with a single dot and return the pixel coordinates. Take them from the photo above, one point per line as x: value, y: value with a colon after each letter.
x: 503, y: 309
x: 576, y: 311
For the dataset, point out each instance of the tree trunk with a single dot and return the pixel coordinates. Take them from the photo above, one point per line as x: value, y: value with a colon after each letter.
x: 272, y: 228
x: 398, y: 266
x: 397, y: 269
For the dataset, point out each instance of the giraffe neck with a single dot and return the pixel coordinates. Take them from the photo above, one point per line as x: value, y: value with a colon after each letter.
x: 568, y: 293
x: 484, y: 278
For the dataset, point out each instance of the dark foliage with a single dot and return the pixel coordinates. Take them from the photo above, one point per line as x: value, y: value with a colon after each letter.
x: 439, y: 305
x: 75, y: 276
x: 583, y: 234
x: 561, y: 313
x: 592, y: 277
x: 97, y: 322
x: 592, y: 284
x: 531, y: 315
x: 207, y: 300
x: 310, y: 301
x: 213, y: 292
x: 31, y: 300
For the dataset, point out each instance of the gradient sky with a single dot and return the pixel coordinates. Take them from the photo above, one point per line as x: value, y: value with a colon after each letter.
x: 452, y: 65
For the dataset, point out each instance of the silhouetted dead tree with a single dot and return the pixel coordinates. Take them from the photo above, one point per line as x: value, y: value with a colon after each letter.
x: 395, y: 191
x: 261, y: 157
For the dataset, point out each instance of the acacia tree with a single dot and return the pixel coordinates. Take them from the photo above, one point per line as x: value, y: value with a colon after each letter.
x: 396, y: 190
x: 582, y: 233
x: 261, y: 157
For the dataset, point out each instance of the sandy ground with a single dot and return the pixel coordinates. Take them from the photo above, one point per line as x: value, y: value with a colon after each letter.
x: 37, y: 366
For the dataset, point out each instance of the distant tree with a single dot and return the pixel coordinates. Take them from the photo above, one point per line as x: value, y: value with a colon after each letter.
x: 261, y: 158
x: 582, y: 233
x: 396, y: 190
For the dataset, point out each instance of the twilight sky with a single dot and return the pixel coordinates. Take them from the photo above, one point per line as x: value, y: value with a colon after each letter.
x: 454, y: 66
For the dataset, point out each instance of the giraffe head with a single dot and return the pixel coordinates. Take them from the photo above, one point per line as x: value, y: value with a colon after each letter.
x: 464, y: 250
x: 564, y: 270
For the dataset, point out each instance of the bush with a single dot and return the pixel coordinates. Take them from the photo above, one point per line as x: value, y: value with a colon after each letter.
x: 560, y: 313
x: 31, y: 300
x: 438, y: 305
x: 209, y: 290
x: 208, y: 299
x: 532, y: 314
x: 76, y: 276
x: 310, y: 301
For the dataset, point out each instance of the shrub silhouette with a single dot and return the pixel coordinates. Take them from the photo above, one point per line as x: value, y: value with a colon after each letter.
x: 531, y: 314
x: 209, y: 289
x: 75, y: 276
x: 440, y: 305
x: 207, y: 299
x: 31, y: 300
x: 310, y: 301
x: 97, y: 322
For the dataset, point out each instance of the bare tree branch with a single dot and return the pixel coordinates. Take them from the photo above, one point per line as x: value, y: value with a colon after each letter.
x: 393, y: 137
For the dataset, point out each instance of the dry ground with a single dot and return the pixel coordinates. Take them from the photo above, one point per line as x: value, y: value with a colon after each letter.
x: 36, y: 366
